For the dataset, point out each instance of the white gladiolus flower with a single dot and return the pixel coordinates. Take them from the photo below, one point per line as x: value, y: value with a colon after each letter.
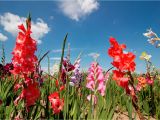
x: 149, y: 34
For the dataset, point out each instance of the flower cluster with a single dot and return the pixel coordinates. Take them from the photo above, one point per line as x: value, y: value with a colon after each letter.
x: 150, y: 79
x: 30, y: 93
x: 56, y: 102
x: 124, y: 62
x: 145, y: 56
x: 5, y: 70
x: 76, y: 78
x: 24, y: 59
x: 152, y: 37
x: 67, y: 67
x: 24, y: 62
x: 96, y: 79
x: 141, y: 83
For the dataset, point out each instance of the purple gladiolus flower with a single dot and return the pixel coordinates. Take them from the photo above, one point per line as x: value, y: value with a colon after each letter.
x: 76, y: 78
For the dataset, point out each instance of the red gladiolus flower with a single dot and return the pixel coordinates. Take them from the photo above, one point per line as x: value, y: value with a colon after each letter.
x: 123, y: 82
x: 52, y: 98
x: 57, y: 83
x: 62, y: 88
x: 17, y: 86
x: 24, y: 63
x: 58, y: 106
x: 124, y: 62
x: 30, y: 93
x: 56, y: 103
x: 63, y: 76
x: 117, y: 75
x: 115, y: 48
x: 121, y: 79
x: 23, y: 54
x: 67, y: 65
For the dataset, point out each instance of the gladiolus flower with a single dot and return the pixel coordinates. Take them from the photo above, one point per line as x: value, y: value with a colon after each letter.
x: 24, y: 63
x: 124, y: 62
x: 149, y: 33
x: 24, y: 59
x: 17, y: 86
x: 30, y: 93
x: 62, y: 88
x: 141, y: 83
x: 95, y: 79
x: 149, y: 79
x: 57, y: 83
x: 76, y: 78
x: 120, y: 79
x: 152, y: 37
x: 145, y: 56
x: 56, y: 103
x: 67, y: 67
x: 52, y: 98
x: 5, y: 69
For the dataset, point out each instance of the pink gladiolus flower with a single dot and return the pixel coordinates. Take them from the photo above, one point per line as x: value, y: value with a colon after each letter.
x: 95, y: 79
x: 149, y: 79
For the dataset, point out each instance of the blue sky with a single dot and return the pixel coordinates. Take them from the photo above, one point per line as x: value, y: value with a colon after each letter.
x: 89, y: 25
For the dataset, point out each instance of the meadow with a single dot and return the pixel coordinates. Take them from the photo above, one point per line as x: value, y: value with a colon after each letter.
x: 27, y: 92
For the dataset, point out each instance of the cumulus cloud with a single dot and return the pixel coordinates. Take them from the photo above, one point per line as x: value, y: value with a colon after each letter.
x: 11, y: 21
x: 77, y: 9
x: 3, y: 37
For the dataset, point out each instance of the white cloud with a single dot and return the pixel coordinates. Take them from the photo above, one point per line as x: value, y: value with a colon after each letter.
x: 3, y: 37
x: 94, y: 55
x: 77, y: 9
x: 58, y: 50
x: 11, y: 21
x: 55, y: 58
